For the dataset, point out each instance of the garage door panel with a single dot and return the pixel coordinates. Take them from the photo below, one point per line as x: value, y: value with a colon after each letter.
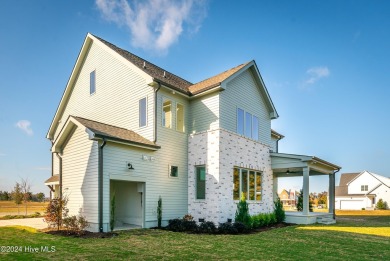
x: 352, y: 204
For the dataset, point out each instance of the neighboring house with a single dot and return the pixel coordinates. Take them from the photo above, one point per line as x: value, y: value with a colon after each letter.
x: 129, y: 128
x: 289, y: 198
x: 361, y: 190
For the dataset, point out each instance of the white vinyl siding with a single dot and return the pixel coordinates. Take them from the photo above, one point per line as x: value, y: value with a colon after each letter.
x: 174, y: 148
x: 79, y: 175
x: 205, y: 113
x: 242, y: 92
x: 116, y: 101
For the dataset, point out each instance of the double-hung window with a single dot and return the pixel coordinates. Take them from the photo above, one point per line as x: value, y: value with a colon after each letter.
x: 247, y: 183
x: 247, y: 124
x: 142, y: 112
x: 364, y: 188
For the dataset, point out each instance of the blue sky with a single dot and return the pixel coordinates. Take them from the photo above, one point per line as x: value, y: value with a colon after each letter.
x: 325, y: 63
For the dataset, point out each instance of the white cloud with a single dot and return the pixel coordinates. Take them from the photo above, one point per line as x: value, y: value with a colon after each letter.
x: 316, y: 73
x: 154, y: 24
x: 24, y: 125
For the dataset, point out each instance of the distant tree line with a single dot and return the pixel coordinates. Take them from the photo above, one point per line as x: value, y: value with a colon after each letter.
x: 9, y: 196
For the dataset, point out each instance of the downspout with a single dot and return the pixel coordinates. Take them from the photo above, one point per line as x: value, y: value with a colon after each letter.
x: 155, y: 111
x: 60, y: 172
x: 52, y: 168
x: 100, y: 185
x: 334, y: 194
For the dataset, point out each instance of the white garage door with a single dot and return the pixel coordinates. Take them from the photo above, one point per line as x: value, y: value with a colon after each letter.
x: 352, y: 204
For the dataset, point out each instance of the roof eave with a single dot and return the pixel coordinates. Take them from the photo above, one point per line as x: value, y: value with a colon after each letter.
x: 126, y: 142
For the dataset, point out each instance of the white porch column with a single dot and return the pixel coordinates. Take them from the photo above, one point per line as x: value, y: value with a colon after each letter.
x: 305, y: 188
x: 275, y: 187
x: 331, y: 196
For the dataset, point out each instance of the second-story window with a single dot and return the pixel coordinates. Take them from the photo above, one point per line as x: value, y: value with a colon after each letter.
x: 247, y: 124
x: 92, y: 82
x: 364, y: 188
x: 180, y: 117
x: 142, y: 112
x: 167, y: 114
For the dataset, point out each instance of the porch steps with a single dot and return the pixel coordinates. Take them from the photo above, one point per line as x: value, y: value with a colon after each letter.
x: 326, y: 220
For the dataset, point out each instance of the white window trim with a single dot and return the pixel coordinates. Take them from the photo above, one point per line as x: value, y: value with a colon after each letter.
x: 184, y: 118
x: 196, y: 184
x: 93, y: 93
x: 162, y: 112
x: 257, y: 173
x: 146, y: 112
x: 244, y: 123
x: 169, y: 171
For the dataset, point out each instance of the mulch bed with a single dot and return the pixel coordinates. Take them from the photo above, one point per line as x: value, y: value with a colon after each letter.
x: 279, y: 225
x: 84, y: 234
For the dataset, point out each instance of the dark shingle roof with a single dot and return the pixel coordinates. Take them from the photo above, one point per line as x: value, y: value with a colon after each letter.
x: 214, y: 81
x: 116, y: 133
x: 347, y: 177
x: 170, y: 79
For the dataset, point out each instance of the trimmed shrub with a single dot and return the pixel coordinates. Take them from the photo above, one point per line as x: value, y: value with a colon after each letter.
x: 279, y: 211
x: 189, y: 225
x: 241, y: 227
x: 75, y: 224
x: 227, y: 228
x: 181, y: 225
x: 242, y: 212
x: 207, y: 227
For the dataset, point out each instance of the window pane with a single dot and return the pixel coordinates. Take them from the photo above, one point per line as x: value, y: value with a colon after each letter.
x: 142, y: 112
x: 92, y: 82
x: 252, y: 185
x: 167, y: 114
x: 248, y: 124
x: 240, y: 121
x: 244, y: 182
x: 255, y: 128
x: 236, y: 184
x: 174, y: 171
x: 179, y: 117
x: 258, y: 186
x: 200, y: 182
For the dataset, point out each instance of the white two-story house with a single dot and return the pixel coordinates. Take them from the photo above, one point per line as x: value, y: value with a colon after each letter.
x: 362, y: 190
x: 129, y: 128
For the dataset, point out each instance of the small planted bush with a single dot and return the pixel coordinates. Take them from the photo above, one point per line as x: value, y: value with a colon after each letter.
x: 279, y: 211
x: 242, y: 212
x: 382, y: 205
x: 207, y: 227
x: 227, y: 228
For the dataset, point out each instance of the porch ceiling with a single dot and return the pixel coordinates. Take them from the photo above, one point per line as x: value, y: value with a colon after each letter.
x: 291, y: 165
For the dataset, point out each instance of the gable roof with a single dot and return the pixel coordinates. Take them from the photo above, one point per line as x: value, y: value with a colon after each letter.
x: 214, y: 80
x: 345, y: 178
x: 158, y: 73
x: 102, y: 130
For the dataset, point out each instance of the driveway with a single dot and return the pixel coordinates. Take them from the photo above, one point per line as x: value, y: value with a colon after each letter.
x: 37, y: 223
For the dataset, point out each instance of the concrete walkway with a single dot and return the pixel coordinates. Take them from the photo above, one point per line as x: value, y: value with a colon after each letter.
x: 37, y: 223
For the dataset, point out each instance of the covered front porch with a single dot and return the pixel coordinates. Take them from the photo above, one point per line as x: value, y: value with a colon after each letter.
x: 291, y: 165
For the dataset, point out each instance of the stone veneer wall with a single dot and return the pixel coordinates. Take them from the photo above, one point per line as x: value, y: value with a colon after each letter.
x: 220, y: 151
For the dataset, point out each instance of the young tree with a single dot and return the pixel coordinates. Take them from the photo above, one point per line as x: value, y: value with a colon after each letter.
x: 25, y: 189
x: 242, y: 212
x: 300, y: 202
x: 17, y: 195
x: 382, y: 205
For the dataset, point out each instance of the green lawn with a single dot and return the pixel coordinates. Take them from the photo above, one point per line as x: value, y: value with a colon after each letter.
x: 352, y: 238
